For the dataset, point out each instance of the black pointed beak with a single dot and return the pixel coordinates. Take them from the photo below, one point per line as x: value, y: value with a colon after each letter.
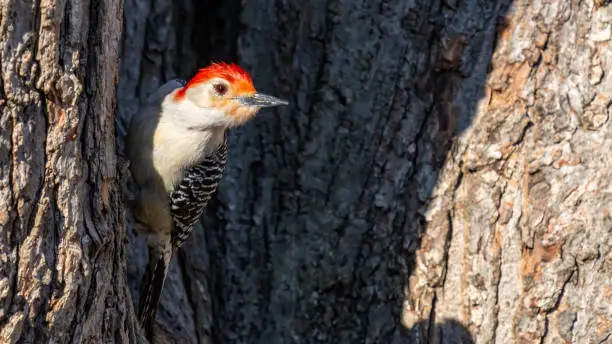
x: 262, y: 100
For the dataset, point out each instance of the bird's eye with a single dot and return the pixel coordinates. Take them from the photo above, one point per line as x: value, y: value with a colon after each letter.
x: 221, y: 89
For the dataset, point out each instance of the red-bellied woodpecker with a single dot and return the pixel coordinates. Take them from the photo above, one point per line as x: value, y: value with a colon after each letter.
x: 177, y: 148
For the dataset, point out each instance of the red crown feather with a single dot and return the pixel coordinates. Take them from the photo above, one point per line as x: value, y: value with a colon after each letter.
x: 232, y: 73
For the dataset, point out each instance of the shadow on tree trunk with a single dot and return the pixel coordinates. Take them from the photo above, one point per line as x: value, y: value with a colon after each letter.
x: 321, y: 216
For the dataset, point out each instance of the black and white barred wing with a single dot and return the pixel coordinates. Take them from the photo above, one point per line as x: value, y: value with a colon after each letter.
x: 190, y: 197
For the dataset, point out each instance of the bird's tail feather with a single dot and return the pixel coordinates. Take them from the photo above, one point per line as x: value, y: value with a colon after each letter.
x: 151, y: 289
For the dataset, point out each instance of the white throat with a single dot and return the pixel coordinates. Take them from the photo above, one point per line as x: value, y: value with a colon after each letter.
x: 184, y: 135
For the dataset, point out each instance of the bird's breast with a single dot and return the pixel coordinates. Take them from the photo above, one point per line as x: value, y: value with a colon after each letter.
x: 177, y: 150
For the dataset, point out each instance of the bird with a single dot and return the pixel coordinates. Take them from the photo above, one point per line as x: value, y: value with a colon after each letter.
x: 176, y: 147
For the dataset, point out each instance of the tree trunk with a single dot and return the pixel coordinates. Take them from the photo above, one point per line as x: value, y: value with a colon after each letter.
x: 442, y: 173
x: 62, y: 265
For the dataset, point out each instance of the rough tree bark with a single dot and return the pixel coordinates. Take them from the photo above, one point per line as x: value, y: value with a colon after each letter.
x: 517, y: 241
x: 442, y: 174
x: 62, y: 265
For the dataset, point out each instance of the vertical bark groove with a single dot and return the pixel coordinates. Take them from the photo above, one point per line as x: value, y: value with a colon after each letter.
x: 60, y: 210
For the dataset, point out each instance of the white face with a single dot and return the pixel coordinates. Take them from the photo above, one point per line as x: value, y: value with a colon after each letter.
x: 189, y: 115
x: 219, y: 103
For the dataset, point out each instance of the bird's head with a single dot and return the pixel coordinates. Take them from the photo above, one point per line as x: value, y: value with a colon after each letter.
x: 226, y: 94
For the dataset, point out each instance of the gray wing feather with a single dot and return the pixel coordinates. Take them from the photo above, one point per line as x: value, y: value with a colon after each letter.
x: 158, y: 96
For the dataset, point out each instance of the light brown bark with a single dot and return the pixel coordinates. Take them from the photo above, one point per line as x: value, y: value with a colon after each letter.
x: 522, y: 205
x: 62, y: 266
